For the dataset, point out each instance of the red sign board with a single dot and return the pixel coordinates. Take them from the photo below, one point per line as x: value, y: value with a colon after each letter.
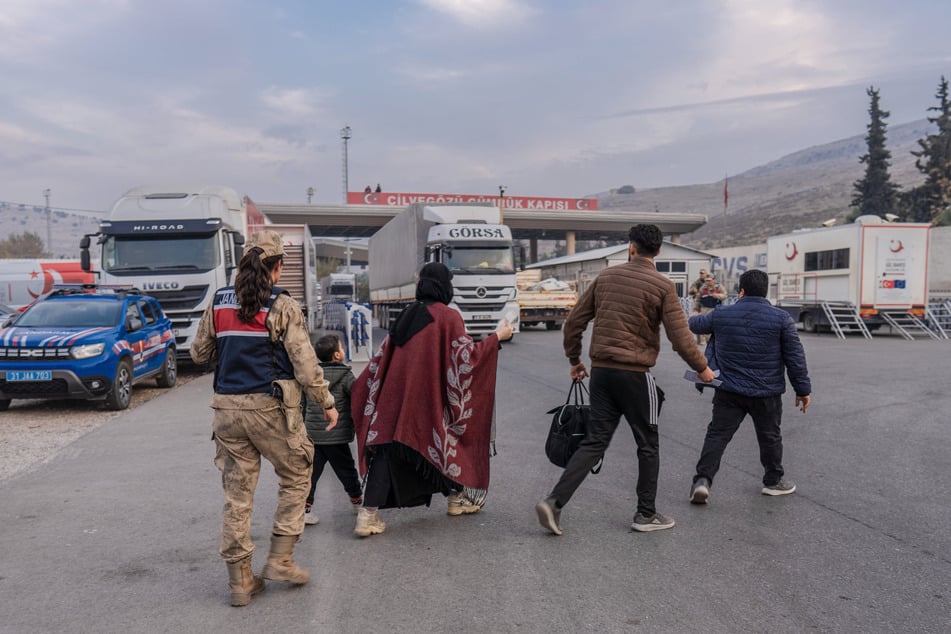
x: 398, y: 199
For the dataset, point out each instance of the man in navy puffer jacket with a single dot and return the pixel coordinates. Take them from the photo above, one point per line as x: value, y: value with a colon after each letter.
x: 754, y: 344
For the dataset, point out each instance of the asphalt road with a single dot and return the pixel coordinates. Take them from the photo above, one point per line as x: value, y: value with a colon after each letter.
x: 119, y: 532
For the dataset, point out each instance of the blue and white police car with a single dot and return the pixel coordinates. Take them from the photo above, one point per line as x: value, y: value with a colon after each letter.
x: 88, y: 342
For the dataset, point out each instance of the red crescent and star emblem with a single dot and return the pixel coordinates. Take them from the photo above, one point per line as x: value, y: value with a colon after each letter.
x: 895, y: 246
x: 791, y: 251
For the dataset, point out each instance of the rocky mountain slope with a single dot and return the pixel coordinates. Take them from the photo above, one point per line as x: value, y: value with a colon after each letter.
x: 802, y: 189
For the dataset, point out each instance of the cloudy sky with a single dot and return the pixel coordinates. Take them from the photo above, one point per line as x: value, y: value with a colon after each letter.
x: 546, y: 97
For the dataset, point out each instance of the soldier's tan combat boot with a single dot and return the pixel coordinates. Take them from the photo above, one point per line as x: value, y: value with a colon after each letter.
x: 243, y: 582
x: 280, y: 564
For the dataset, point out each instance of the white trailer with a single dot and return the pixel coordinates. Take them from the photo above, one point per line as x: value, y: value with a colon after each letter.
x: 857, y: 276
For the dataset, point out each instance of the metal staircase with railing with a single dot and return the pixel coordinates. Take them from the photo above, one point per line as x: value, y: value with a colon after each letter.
x: 938, y: 317
x: 907, y: 324
x: 844, y: 318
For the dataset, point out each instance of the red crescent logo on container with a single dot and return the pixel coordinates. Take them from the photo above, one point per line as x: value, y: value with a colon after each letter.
x: 50, y: 277
x: 791, y: 253
x: 582, y: 203
x: 895, y: 249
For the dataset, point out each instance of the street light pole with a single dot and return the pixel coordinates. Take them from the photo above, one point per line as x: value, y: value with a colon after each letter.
x: 501, y: 204
x: 345, y: 135
x: 49, y: 225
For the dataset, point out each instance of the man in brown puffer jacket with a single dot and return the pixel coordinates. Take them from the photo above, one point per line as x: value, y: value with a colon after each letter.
x: 628, y: 304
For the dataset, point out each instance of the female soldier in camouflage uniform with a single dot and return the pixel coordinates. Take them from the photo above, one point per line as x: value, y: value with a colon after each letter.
x: 255, y: 331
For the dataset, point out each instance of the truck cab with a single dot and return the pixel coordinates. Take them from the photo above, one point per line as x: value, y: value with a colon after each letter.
x: 483, y: 268
x: 177, y: 244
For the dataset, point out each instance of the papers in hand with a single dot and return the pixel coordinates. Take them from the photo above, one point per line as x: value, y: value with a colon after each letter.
x: 691, y: 375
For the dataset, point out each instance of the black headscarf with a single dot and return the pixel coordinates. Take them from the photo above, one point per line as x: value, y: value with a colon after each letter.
x: 434, y: 285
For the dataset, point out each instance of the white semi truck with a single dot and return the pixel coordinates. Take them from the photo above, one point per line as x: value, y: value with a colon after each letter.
x: 469, y: 240
x: 181, y: 243
x: 872, y: 269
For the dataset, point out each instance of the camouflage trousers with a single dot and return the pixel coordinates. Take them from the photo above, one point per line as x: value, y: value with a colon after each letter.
x: 242, y: 436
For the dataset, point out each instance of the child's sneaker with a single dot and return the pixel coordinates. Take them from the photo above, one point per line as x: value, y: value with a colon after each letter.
x: 355, y: 504
x: 310, y: 517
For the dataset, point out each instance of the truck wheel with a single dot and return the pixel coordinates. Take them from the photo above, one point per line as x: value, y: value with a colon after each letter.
x: 169, y: 373
x: 4, y: 404
x: 552, y: 325
x: 121, y: 393
x: 809, y: 323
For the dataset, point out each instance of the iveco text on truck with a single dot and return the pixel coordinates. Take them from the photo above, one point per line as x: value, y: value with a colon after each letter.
x: 469, y: 240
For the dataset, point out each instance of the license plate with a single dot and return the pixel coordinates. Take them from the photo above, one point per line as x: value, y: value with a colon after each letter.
x: 30, y: 375
x: 482, y: 317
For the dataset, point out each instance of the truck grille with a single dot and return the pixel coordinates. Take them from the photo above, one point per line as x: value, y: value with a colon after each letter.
x: 33, y: 354
x: 481, y: 306
x: 483, y: 292
x: 482, y: 298
x: 181, y: 299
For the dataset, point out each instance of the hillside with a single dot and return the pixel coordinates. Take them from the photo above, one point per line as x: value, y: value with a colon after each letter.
x: 802, y: 189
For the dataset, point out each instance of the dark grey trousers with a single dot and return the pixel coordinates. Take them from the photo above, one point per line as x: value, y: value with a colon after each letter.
x: 615, y: 393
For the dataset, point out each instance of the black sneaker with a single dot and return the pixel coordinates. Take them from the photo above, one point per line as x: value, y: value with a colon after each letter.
x: 549, y: 515
x: 656, y: 522
x: 700, y: 491
x: 783, y: 487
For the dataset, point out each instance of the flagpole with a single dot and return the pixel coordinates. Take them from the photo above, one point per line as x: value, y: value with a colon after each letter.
x: 726, y: 199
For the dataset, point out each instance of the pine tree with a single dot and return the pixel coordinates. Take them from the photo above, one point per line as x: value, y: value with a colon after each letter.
x: 932, y: 198
x: 875, y: 193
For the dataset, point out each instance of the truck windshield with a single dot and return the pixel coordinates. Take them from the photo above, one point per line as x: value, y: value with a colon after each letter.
x: 131, y: 255
x: 479, y: 260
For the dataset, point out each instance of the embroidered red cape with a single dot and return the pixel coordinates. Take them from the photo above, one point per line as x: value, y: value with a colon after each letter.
x: 435, y: 394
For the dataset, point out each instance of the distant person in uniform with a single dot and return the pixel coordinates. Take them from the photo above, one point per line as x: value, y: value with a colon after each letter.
x: 709, y: 297
x: 695, y: 289
x: 753, y: 345
x: 256, y: 333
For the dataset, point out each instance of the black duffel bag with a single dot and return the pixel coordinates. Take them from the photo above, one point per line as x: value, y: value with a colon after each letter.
x: 569, y: 424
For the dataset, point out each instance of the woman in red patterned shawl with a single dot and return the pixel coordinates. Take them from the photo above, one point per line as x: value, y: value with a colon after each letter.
x: 423, y: 407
